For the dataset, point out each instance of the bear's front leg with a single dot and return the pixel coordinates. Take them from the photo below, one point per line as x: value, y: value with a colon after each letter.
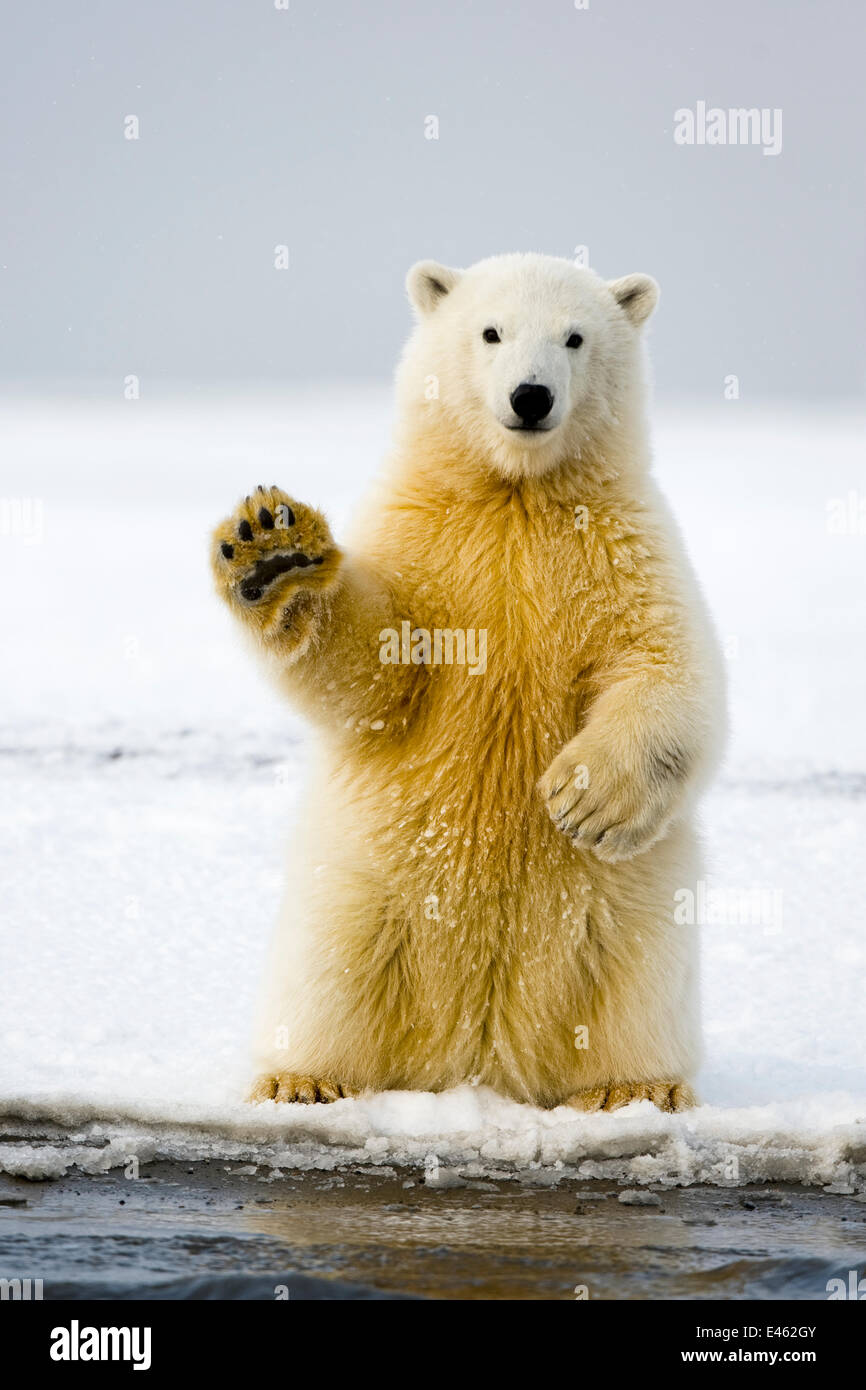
x: 317, y: 615
x: 273, y: 560
x: 617, y: 785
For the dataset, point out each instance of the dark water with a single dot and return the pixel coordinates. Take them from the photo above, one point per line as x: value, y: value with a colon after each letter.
x: 208, y: 1233
x: 220, y: 1287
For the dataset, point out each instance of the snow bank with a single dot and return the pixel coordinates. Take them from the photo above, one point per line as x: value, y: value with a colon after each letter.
x: 461, y: 1134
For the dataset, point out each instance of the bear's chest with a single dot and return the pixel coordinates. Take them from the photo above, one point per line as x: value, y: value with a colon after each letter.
x: 530, y: 594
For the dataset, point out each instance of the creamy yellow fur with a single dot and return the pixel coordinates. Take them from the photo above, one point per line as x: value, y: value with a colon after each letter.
x: 458, y: 906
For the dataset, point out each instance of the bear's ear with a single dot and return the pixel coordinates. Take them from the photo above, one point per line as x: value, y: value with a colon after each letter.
x: 427, y: 284
x: 638, y: 295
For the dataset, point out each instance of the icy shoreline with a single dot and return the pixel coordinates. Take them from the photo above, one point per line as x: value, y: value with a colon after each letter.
x: 465, y: 1133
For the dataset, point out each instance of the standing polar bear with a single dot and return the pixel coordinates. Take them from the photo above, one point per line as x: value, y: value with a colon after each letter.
x: 520, y: 697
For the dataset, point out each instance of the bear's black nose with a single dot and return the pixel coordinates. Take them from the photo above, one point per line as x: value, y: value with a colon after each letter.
x: 531, y: 403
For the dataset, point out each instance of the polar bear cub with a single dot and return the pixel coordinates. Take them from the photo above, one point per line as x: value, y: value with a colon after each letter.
x: 482, y: 883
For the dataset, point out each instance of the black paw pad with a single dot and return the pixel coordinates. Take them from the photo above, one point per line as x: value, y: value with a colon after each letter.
x: 266, y: 571
x: 245, y: 531
x: 227, y: 550
x: 266, y: 519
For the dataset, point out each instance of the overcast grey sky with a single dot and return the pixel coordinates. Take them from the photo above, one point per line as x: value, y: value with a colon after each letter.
x: 261, y: 127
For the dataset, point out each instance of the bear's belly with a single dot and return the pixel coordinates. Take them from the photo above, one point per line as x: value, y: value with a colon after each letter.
x: 464, y: 781
x: 485, y: 939
x: 479, y: 941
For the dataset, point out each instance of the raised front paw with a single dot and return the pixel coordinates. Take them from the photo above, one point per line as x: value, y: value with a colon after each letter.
x: 272, y: 551
x: 607, y: 799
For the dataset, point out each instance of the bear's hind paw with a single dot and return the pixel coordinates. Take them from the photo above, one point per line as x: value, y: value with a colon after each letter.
x: 667, y: 1095
x: 293, y: 1087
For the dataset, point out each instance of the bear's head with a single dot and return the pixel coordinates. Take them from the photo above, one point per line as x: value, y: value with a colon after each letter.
x: 525, y: 362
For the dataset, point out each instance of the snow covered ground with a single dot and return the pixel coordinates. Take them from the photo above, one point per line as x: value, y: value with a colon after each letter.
x: 150, y: 779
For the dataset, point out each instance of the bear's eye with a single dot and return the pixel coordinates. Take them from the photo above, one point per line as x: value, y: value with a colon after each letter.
x: 491, y: 336
x: 574, y: 341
